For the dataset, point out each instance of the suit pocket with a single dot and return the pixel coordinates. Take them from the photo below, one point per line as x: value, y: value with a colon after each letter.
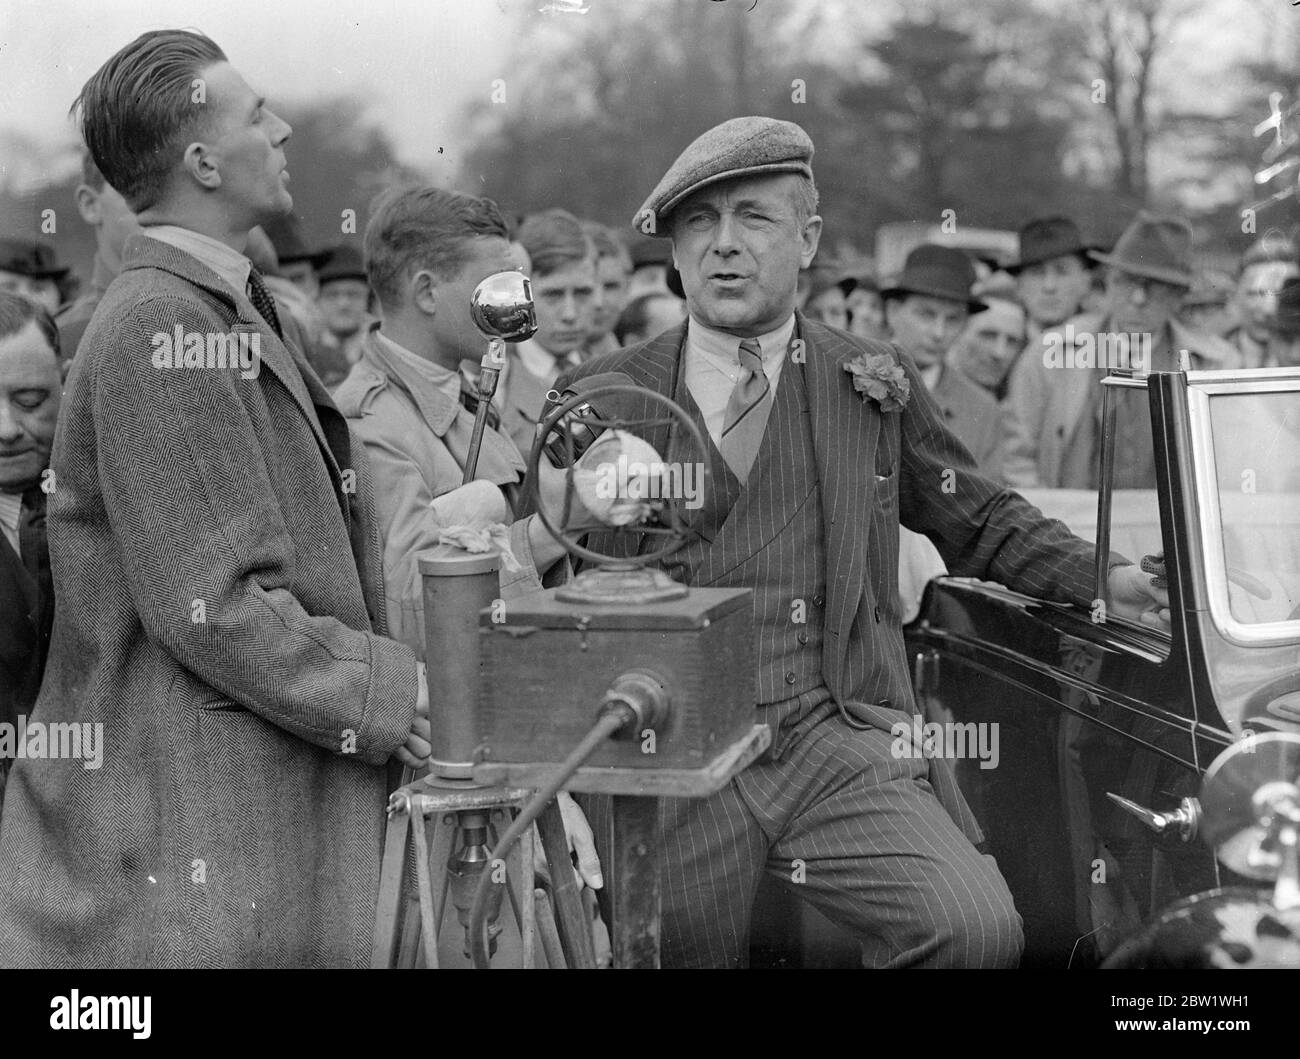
x: 207, y: 699
x: 220, y: 706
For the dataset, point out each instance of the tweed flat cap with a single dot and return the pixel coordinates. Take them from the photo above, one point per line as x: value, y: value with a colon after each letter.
x: 740, y: 147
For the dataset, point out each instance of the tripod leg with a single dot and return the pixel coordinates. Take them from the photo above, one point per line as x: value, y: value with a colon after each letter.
x: 519, y: 882
x: 634, y: 882
x: 391, y: 885
x: 523, y: 890
x: 444, y: 837
x: 428, y: 921
x: 546, y: 930
x: 575, y: 930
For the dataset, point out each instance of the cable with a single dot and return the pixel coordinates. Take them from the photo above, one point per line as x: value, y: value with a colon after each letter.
x: 614, y: 717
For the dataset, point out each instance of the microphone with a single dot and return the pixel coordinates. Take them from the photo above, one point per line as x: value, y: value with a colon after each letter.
x: 575, y: 423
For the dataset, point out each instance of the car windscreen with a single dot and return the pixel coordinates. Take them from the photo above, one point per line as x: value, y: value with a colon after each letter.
x: 1256, y: 442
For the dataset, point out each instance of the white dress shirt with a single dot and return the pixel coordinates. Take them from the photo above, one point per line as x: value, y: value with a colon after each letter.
x: 713, y: 367
x: 542, y: 362
x: 226, y: 262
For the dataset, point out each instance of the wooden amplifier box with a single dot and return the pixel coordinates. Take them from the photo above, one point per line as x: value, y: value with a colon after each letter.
x: 546, y: 668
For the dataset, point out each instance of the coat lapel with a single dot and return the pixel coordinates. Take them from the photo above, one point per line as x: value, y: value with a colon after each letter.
x: 846, y: 431
x: 285, y: 362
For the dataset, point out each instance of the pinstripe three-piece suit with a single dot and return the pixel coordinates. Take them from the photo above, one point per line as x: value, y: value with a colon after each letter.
x: 881, y: 844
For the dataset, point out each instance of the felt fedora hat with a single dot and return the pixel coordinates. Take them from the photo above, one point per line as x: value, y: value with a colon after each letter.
x: 286, y: 236
x: 938, y: 272
x: 1047, y: 238
x: 1153, y: 247
x: 30, y: 258
x: 344, y: 262
x: 1210, y: 286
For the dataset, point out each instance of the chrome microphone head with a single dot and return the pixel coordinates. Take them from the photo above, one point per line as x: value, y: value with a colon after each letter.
x: 502, y: 307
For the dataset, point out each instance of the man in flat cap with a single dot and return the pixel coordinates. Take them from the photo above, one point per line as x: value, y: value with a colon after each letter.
x: 819, y: 444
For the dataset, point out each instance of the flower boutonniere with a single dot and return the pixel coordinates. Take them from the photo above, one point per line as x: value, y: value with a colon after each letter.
x: 880, y: 377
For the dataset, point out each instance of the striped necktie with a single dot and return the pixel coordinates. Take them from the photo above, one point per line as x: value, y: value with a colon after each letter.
x: 747, y: 411
x: 262, y: 300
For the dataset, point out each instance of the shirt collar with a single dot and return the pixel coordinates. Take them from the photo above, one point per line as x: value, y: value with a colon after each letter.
x: 226, y: 262
x: 726, y: 347
x: 435, y: 390
x: 436, y: 375
x: 541, y: 362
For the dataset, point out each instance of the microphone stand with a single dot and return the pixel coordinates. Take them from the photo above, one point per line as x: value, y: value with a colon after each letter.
x: 494, y: 360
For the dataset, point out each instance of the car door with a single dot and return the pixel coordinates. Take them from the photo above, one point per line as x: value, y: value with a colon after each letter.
x: 1085, y: 705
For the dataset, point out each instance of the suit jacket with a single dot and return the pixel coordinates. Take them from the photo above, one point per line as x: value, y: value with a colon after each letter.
x: 974, y: 416
x: 26, y: 616
x: 1045, y: 405
x: 73, y: 320
x: 218, y: 580
x: 879, y: 469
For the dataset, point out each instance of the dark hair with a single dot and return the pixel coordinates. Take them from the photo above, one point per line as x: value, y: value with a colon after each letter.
x: 554, y: 239
x: 606, y: 244
x: 16, y: 312
x: 423, y: 227
x: 635, y: 316
x: 137, y: 112
x: 90, y: 174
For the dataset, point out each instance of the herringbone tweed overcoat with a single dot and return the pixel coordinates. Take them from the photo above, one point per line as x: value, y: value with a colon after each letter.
x: 217, y: 572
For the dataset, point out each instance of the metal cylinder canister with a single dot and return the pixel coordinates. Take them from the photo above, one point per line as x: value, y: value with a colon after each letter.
x: 457, y: 585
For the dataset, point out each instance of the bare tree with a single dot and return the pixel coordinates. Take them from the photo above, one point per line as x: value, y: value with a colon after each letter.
x: 1123, y: 41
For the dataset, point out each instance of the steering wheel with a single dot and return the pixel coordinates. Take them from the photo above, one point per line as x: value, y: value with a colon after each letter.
x: 676, y: 531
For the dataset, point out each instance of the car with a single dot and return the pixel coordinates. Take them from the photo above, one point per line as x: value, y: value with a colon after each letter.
x: 1104, y: 727
x: 993, y: 247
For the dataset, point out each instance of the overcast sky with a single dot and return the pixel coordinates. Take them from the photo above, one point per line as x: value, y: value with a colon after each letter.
x: 420, y: 61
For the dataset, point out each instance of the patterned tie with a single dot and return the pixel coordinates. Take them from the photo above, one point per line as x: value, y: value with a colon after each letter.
x: 32, y: 542
x: 262, y: 300
x: 747, y: 411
